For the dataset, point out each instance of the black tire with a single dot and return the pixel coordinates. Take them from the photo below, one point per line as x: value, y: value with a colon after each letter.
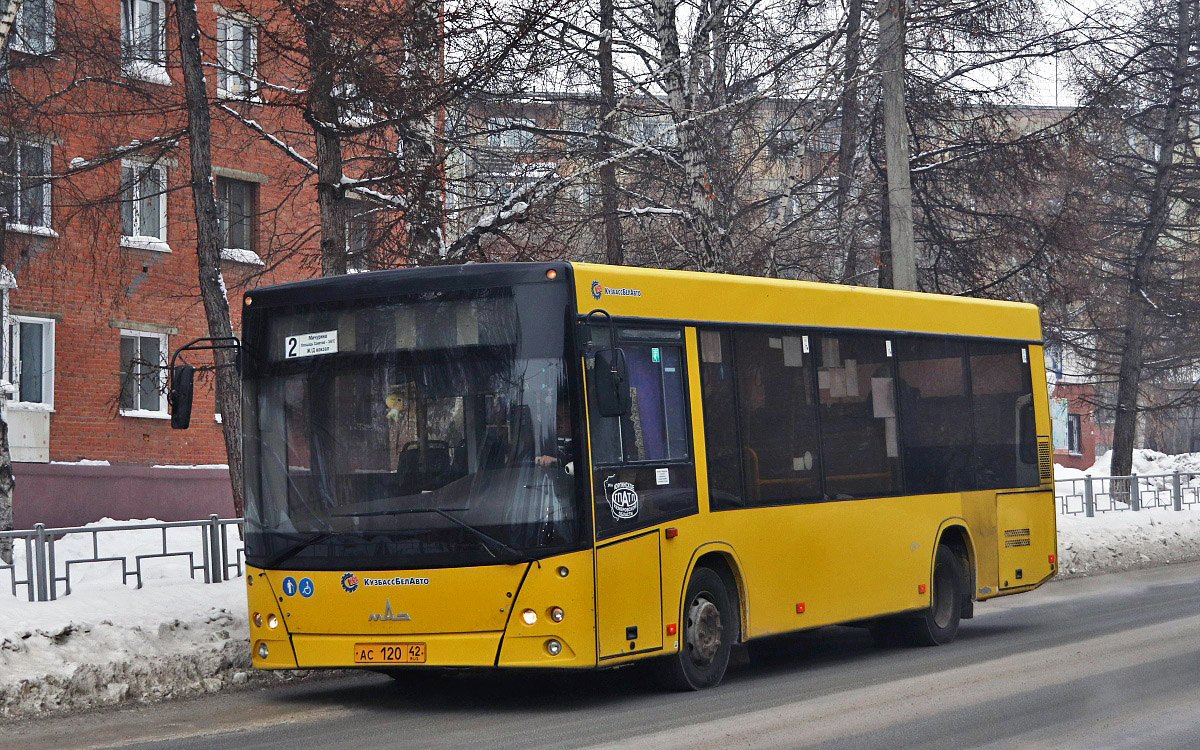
x: 709, y: 627
x: 938, y: 625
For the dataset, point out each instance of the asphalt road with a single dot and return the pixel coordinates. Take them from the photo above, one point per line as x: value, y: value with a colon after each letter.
x: 1111, y: 661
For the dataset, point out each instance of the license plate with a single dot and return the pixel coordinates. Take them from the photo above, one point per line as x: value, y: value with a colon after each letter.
x: 389, y: 653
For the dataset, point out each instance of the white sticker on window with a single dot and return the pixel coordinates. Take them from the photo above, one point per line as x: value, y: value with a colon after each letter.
x: 310, y: 344
x: 662, y: 476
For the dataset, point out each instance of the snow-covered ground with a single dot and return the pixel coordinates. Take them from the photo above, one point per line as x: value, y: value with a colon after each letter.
x: 107, y: 643
x: 1144, y: 462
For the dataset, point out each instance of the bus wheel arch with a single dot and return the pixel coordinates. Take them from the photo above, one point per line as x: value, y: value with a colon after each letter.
x: 954, y: 535
x: 710, y: 623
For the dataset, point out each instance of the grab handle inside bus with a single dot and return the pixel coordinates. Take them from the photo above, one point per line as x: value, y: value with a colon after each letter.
x: 612, y: 383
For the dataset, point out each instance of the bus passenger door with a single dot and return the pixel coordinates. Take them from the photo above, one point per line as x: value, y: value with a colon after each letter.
x: 643, y: 475
x: 628, y: 596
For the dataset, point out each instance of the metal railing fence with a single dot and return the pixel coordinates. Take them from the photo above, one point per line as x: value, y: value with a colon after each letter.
x: 1091, y: 495
x: 40, y: 571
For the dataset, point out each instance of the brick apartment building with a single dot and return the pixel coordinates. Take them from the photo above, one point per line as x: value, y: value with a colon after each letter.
x: 104, y: 253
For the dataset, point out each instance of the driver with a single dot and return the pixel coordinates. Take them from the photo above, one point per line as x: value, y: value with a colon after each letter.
x: 565, y: 449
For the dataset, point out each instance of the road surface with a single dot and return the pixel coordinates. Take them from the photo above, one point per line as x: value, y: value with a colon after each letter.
x: 1110, y: 661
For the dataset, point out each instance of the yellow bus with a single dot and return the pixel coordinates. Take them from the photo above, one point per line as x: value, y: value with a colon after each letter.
x: 580, y: 466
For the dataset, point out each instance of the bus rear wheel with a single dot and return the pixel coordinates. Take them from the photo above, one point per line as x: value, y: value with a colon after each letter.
x: 707, y: 634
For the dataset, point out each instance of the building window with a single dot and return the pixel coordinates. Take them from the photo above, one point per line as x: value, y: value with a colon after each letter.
x: 235, y: 213
x: 33, y: 32
x: 1074, y: 434
x: 237, y: 53
x: 144, y: 206
x: 143, y: 374
x: 143, y: 39
x: 358, y: 236
x: 511, y: 133
x: 31, y: 361
x: 24, y: 185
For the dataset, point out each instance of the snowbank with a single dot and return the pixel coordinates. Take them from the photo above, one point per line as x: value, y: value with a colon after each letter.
x: 1144, y: 462
x: 1126, y: 540
x: 105, y: 645
x: 107, y: 642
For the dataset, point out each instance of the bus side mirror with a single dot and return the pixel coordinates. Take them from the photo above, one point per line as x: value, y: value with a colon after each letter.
x: 612, y: 383
x: 180, y: 396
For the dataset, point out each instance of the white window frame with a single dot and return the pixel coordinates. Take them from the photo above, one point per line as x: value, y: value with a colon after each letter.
x: 18, y: 31
x: 153, y: 71
x: 44, y: 229
x: 161, y: 412
x: 252, y: 195
x: 1077, y: 433
x: 139, y: 240
x: 14, y: 376
x: 233, y: 83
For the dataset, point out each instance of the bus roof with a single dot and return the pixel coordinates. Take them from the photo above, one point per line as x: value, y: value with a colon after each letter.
x: 630, y: 292
x: 625, y: 291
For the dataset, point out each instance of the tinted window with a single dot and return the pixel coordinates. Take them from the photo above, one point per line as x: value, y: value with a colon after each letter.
x: 934, y: 408
x: 780, y: 456
x: 1002, y: 407
x: 656, y: 427
x: 858, y: 416
x: 720, y: 420
x: 640, y: 472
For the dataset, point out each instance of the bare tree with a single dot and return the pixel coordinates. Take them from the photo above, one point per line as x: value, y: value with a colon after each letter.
x: 1136, y: 321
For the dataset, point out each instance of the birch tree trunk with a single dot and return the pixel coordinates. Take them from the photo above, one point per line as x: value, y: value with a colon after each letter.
x: 208, y: 245
x: 848, y: 140
x: 716, y: 245
x: 425, y: 216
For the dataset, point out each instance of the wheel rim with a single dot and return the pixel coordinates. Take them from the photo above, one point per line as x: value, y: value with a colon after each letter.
x: 703, y: 636
x: 943, y: 602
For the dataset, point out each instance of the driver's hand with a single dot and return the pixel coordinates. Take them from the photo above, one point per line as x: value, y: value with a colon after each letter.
x: 545, y: 461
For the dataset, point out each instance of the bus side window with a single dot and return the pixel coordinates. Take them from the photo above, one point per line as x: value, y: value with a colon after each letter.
x: 855, y: 380
x: 933, y: 405
x: 1001, y: 396
x: 781, y: 457
x: 720, y: 421
x: 656, y: 427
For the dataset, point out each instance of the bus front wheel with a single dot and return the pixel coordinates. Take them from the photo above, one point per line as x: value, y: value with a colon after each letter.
x: 938, y: 625
x: 707, y: 634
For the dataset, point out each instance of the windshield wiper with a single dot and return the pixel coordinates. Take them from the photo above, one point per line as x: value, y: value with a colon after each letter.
x: 292, y: 551
x: 485, y: 538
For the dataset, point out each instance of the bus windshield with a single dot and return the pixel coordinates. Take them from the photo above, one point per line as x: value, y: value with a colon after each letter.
x: 428, y: 431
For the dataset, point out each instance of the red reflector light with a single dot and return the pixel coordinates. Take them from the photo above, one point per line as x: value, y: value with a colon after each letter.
x: 672, y: 532
x: 799, y: 608
x: 671, y: 629
x: 1051, y: 559
x: 920, y: 588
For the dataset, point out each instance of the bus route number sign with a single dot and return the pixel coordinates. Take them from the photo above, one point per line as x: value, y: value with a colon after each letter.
x: 389, y: 653
x: 310, y: 344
